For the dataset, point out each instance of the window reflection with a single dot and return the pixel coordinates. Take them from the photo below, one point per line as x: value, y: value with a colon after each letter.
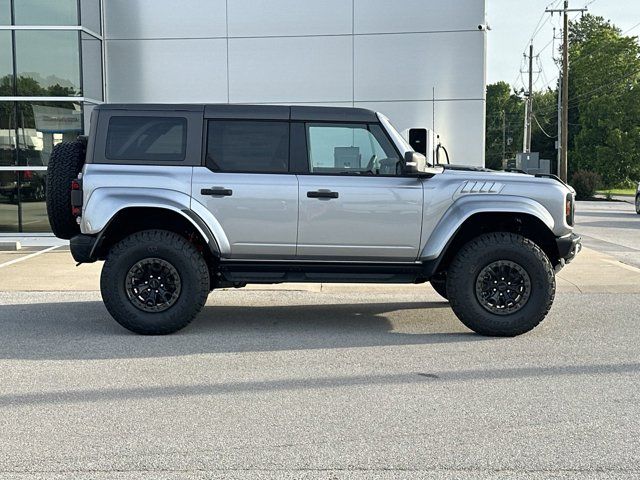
x: 48, y: 63
x: 90, y: 14
x: 91, y: 67
x: 5, y: 12
x: 32, y: 201
x: 7, y: 133
x: 8, y: 202
x: 41, y: 125
x: 6, y: 64
x: 46, y: 12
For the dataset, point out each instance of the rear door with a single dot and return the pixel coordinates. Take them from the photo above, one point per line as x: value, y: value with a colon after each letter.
x: 354, y: 204
x: 246, y: 185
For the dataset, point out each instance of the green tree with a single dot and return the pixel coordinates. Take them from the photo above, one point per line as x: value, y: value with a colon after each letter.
x: 604, y: 101
x: 544, y: 129
x: 504, y: 109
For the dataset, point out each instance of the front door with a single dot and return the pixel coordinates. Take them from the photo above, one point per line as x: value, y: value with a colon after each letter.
x: 354, y: 205
x: 245, y: 185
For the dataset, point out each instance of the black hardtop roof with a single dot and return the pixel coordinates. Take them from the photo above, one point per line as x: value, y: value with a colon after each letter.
x: 255, y: 112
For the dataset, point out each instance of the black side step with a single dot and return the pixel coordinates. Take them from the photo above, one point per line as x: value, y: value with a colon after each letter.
x: 278, y: 272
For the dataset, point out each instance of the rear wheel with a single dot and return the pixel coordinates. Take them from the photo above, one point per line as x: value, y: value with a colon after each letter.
x: 154, y: 282
x: 638, y: 204
x: 501, y: 284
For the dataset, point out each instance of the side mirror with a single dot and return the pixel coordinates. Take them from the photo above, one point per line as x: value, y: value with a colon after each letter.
x: 414, y: 163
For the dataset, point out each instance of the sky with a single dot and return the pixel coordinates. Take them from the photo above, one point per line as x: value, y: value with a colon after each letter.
x: 513, y: 22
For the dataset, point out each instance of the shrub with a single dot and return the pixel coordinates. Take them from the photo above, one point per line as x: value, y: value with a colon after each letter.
x: 585, y: 183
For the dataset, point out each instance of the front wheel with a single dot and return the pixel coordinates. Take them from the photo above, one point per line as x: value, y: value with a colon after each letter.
x: 638, y: 204
x: 154, y: 282
x: 501, y: 284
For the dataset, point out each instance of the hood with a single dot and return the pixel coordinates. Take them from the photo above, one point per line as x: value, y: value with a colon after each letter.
x: 482, y: 172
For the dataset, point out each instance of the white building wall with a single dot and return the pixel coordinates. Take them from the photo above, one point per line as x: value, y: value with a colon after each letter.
x: 390, y: 56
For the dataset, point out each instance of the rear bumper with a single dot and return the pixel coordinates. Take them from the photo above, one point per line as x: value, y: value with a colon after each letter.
x: 568, y: 247
x: 82, y: 248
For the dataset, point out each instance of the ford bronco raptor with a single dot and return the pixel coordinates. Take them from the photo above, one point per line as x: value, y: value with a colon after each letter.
x: 179, y: 200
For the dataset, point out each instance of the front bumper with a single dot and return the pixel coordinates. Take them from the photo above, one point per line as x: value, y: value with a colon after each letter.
x: 83, y: 247
x: 568, y: 247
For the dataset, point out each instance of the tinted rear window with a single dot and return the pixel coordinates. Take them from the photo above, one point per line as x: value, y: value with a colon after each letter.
x: 147, y: 138
x: 248, y: 146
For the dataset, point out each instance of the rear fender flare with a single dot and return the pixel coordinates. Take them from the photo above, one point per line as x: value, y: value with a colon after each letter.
x: 105, y: 203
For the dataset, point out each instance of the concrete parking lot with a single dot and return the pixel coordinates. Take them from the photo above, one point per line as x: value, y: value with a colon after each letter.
x: 323, y: 382
x: 611, y: 227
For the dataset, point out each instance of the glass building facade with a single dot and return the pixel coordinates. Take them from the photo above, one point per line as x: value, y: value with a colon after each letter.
x: 51, y: 76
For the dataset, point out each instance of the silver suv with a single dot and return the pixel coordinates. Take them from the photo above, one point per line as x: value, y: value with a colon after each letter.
x: 179, y: 200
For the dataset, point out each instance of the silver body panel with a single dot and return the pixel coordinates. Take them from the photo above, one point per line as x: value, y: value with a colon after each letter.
x: 260, y: 218
x: 270, y: 216
x: 107, y: 189
x: 374, y: 218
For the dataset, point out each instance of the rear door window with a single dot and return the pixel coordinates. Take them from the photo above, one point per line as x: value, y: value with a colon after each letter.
x: 146, y: 138
x: 248, y: 146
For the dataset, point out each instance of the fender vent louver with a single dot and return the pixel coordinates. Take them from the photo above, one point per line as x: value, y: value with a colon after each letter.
x: 480, y: 187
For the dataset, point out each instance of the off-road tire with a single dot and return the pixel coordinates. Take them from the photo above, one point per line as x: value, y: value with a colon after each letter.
x: 482, y: 251
x: 64, y: 165
x: 179, y: 253
x: 439, y: 284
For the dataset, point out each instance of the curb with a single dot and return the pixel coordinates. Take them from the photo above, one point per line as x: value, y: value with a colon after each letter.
x: 10, y: 246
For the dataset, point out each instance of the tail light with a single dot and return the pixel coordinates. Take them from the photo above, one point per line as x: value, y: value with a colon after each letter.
x: 27, y: 175
x: 76, y: 197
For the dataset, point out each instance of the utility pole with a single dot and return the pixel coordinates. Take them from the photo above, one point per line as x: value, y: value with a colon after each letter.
x: 529, y: 112
x: 528, y: 106
x: 559, y: 141
x: 504, y: 138
x: 564, y: 138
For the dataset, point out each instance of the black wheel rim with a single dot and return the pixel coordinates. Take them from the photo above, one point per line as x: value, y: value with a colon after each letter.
x: 153, y: 285
x: 503, y: 287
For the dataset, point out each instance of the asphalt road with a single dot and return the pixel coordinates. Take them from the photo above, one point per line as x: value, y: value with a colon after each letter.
x: 303, y: 385
x: 610, y: 227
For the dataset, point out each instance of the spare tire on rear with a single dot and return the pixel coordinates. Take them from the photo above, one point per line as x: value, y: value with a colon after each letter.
x: 65, y: 164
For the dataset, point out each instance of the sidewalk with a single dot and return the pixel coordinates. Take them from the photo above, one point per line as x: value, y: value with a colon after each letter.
x: 590, y: 272
x: 618, y: 198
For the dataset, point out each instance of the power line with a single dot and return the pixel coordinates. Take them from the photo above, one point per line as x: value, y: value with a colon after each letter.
x: 536, y: 31
x: 574, y: 103
x: 542, y: 129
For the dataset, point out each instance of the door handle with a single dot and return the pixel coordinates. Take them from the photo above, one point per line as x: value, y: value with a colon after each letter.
x: 217, y: 192
x: 323, y: 194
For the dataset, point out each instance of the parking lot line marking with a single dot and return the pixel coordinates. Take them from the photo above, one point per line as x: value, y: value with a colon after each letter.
x: 27, y: 257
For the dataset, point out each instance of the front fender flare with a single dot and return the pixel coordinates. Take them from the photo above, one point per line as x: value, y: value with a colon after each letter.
x: 467, y: 206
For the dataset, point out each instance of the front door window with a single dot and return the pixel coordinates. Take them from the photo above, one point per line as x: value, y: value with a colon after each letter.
x: 356, y: 149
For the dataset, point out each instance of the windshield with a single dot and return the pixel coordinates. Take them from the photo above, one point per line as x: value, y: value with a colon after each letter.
x: 400, y: 142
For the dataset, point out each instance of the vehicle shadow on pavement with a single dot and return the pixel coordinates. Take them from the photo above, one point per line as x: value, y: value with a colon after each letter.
x: 84, y: 330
